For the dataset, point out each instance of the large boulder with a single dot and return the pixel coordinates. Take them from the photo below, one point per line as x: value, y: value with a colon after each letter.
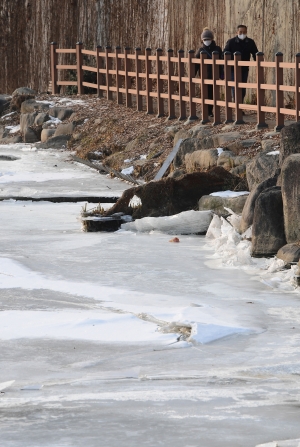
x: 171, y: 196
x: 190, y: 145
x: 62, y: 113
x: 223, y: 139
x: 248, y: 210
x: 64, y: 129
x: 11, y: 140
x: 268, y: 226
x: 217, y: 204
x: 290, y: 180
x: 46, y: 134
x: 261, y: 168
x: 24, y: 91
x: 203, y: 159
x: 41, y: 118
x: 4, y: 103
x: 27, y: 120
x: 30, y: 106
x: 229, y: 160
x: 60, y: 142
x: 30, y: 136
x: 289, y: 253
x: 290, y: 141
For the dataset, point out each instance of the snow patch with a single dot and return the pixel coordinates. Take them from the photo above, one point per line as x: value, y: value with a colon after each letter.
x: 220, y: 150
x: 127, y: 171
x: 273, y: 153
x: 228, y: 193
x: 135, y: 201
x: 13, y: 129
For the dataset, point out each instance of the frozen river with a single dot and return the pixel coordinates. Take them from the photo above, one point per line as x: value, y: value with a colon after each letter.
x: 89, y: 354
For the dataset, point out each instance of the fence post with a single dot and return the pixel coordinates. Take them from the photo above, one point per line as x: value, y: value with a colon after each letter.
x: 108, y: 64
x: 149, y: 99
x: 138, y: 80
x: 127, y: 64
x: 237, y: 90
x: 159, y: 72
x: 261, y: 123
x: 171, y: 102
x: 297, y: 83
x: 192, y: 89
x: 279, y: 93
x: 204, y: 92
x: 228, y: 96
x: 216, y: 88
x: 118, y: 77
x: 181, y: 84
x: 99, y: 75
x: 54, y: 62
x: 79, y: 57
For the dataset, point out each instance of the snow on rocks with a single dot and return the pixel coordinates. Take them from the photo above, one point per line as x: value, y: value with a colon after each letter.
x: 234, y: 250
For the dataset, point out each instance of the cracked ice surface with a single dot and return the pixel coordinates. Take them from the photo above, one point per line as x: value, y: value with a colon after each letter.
x: 88, y: 338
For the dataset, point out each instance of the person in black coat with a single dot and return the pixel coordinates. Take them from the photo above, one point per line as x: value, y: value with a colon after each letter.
x: 208, y: 46
x: 246, y: 46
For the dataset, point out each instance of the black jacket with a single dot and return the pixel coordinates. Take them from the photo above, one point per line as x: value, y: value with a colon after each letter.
x: 208, y: 50
x: 246, y: 47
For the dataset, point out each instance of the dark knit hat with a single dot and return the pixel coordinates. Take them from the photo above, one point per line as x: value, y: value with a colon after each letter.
x: 207, y: 34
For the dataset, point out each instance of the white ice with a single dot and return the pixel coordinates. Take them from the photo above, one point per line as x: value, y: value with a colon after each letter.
x: 273, y: 153
x: 127, y: 171
x: 227, y: 194
x: 13, y: 129
x: 187, y: 222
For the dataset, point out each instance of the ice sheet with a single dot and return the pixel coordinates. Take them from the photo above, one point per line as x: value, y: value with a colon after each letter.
x: 227, y: 194
x: 187, y: 222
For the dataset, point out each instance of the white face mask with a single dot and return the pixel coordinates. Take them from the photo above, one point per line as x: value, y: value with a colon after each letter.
x: 242, y: 36
x: 207, y: 42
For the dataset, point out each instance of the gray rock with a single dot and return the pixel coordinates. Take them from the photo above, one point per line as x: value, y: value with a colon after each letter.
x: 41, y: 118
x: 268, y: 226
x: 30, y: 106
x: 223, y: 139
x: 59, y: 142
x: 290, y: 141
x: 289, y: 253
x: 261, y: 168
x: 46, y: 134
x: 11, y: 140
x: 238, y: 170
x: 269, y: 145
x: 238, y: 146
x: 203, y: 159
x: 186, y: 146
x: 3, y: 132
x: 27, y: 120
x: 217, y: 204
x: 24, y: 91
x: 248, y: 211
x: 61, y: 113
x: 199, y: 131
x: 4, y: 103
x: 30, y: 136
x: 290, y: 180
x: 270, y: 135
x: 229, y: 160
x: 182, y: 134
x: 64, y: 129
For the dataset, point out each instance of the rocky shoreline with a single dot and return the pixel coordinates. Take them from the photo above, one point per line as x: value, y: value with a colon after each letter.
x: 209, y: 159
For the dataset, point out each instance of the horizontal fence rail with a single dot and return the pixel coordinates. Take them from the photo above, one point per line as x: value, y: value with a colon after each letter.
x: 172, y: 79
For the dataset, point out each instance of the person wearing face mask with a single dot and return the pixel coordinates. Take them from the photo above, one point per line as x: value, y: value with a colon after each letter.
x: 208, y: 46
x: 247, y: 47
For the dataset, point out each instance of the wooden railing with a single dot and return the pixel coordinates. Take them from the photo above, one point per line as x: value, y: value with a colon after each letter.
x: 175, y: 83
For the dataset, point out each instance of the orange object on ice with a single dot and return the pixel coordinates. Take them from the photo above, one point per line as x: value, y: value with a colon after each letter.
x: 175, y: 239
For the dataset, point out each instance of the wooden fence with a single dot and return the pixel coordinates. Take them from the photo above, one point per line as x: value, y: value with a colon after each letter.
x: 171, y: 79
